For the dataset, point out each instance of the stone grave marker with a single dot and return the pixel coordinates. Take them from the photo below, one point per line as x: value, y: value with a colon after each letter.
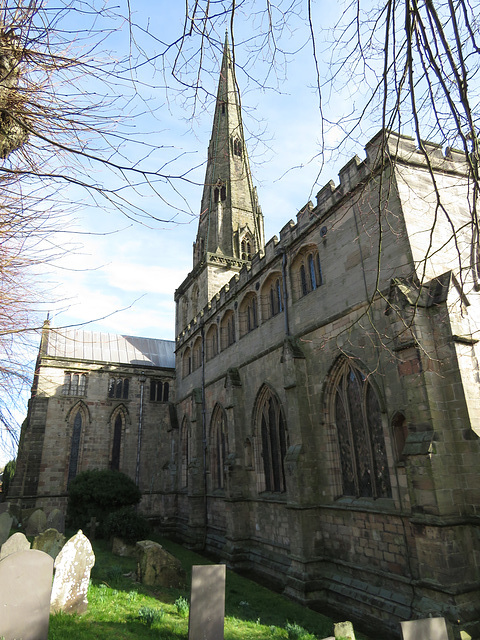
x: 56, y: 520
x: 72, y: 575
x: 36, y: 523
x: 14, y: 544
x: 425, y: 629
x: 5, y: 526
x: 25, y: 586
x: 344, y: 630
x: 157, y: 567
x: 51, y: 541
x: 207, y: 602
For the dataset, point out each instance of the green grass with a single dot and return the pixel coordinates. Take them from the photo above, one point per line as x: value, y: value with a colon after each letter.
x: 120, y: 608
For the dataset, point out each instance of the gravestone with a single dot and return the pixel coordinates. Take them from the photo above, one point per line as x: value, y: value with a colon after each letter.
x: 157, y: 567
x: 5, y: 526
x: 25, y: 586
x: 72, y: 575
x: 56, y: 520
x: 36, y: 523
x: 207, y: 602
x: 51, y: 541
x: 14, y: 544
x: 344, y: 630
x: 425, y: 629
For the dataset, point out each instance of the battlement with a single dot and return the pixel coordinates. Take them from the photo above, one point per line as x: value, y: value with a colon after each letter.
x: 384, y: 148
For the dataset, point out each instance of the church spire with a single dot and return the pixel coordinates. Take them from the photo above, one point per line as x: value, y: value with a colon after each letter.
x: 231, y: 221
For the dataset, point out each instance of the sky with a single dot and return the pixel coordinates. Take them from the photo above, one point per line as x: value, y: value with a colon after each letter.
x: 123, y: 276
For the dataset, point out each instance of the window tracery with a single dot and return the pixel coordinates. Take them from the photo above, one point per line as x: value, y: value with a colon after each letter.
x: 357, y: 417
x: 227, y: 330
x: 74, y: 384
x: 212, y: 341
x: 118, y: 388
x: 248, y: 314
x: 218, y: 447
x: 272, y: 442
x: 306, y: 272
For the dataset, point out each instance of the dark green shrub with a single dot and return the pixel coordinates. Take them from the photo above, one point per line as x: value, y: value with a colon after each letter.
x: 126, y: 524
x: 95, y: 494
x: 8, y: 474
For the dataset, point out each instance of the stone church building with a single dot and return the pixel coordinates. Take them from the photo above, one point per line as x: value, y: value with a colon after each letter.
x: 317, y: 418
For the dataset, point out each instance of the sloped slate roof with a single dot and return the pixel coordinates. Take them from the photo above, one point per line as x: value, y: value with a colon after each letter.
x: 77, y: 344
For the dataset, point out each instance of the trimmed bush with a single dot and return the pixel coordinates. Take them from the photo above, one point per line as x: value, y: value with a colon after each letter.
x: 96, y: 494
x: 126, y: 524
x: 8, y: 474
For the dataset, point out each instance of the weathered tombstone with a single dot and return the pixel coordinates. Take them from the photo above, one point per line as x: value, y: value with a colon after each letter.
x: 425, y: 629
x: 72, y: 575
x: 14, y: 544
x: 25, y: 586
x: 36, y: 523
x: 5, y: 526
x: 207, y: 602
x: 344, y: 630
x: 51, y: 541
x: 157, y: 567
x: 56, y: 520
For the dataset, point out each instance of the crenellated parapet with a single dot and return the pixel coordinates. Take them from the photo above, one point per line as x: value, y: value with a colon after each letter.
x: 384, y: 149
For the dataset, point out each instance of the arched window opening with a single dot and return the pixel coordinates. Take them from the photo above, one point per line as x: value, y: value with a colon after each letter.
x: 216, y: 195
x: 357, y: 417
x: 74, y: 389
x: 223, y: 193
x: 74, y: 384
x: 184, y: 454
x: 197, y: 354
x: 166, y: 391
x: 218, y: 448
x: 306, y: 272
x: 75, y: 446
x: 117, y: 443
x: 237, y: 147
x: 159, y: 391
x: 248, y: 314
x: 186, y: 362
x: 227, y: 330
x: 246, y: 248
x: 194, y: 301
x: 272, y: 441
x: 212, y: 342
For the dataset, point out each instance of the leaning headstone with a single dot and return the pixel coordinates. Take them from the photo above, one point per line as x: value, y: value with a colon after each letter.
x: 5, y: 526
x: 72, y: 575
x: 157, y: 567
x: 425, y: 629
x: 51, y: 541
x: 344, y: 630
x: 207, y: 602
x: 56, y: 520
x: 14, y: 544
x: 36, y: 523
x: 25, y: 586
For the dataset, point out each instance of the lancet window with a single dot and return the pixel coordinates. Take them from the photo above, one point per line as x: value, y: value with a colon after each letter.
x: 75, y: 445
x: 218, y: 447
x: 159, y: 391
x: 272, y: 442
x: 306, y: 272
x: 248, y: 314
x: 227, y: 330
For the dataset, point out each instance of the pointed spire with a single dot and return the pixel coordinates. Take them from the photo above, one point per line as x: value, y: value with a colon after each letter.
x: 231, y: 222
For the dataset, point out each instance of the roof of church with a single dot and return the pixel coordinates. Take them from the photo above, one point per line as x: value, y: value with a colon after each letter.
x: 77, y: 344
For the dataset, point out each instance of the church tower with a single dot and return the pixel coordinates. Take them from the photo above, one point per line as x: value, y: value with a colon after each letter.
x: 230, y: 229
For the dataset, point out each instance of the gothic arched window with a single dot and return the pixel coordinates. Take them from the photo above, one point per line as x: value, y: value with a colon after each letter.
x: 197, y: 354
x: 306, y: 272
x: 246, y: 247
x: 272, y: 296
x: 357, y: 417
x: 186, y: 362
x: 212, y: 341
x: 237, y: 148
x: 272, y: 442
x: 227, y: 330
x: 248, y: 314
x: 218, y: 447
x: 75, y: 446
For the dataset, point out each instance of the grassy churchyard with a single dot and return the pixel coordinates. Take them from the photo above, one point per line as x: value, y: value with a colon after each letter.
x: 120, y: 608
